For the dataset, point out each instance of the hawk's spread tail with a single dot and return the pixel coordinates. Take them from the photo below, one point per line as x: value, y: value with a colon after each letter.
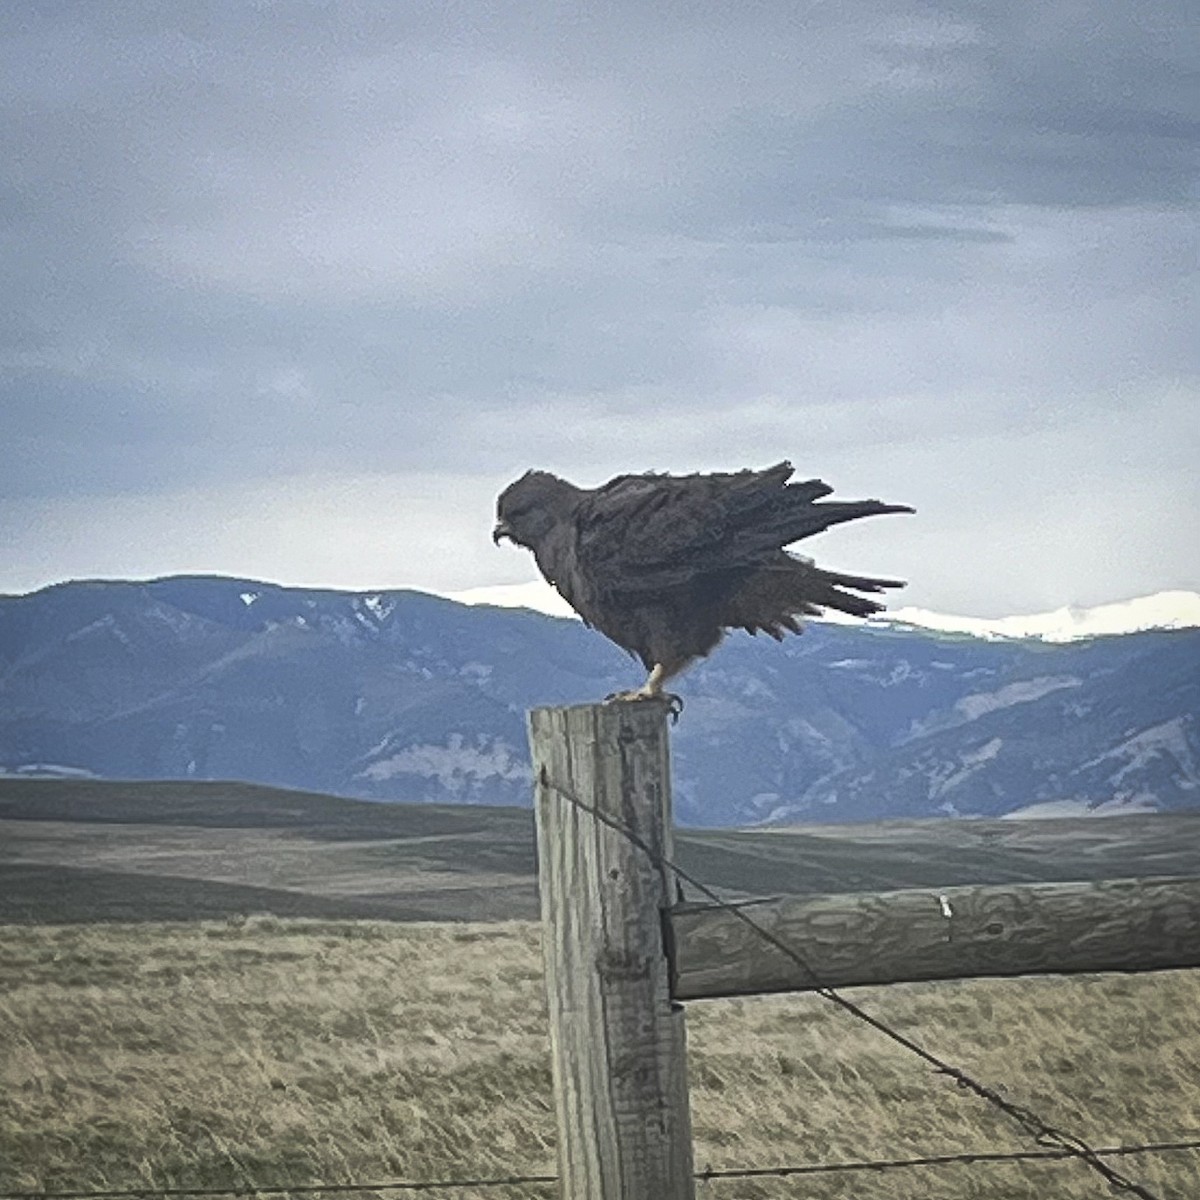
x: 777, y: 596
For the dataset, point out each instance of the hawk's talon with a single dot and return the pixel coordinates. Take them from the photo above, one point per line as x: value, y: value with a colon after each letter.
x: 673, y: 702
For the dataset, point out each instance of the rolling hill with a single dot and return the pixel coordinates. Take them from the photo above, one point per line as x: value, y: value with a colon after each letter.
x: 85, y: 851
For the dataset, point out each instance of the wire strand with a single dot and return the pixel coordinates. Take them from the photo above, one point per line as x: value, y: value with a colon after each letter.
x: 299, y: 1189
x: 1044, y: 1133
x: 935, y: 1160
x: 710, y: 1174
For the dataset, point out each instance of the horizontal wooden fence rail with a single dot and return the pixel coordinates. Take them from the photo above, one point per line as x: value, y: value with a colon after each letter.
x: 947, y: 933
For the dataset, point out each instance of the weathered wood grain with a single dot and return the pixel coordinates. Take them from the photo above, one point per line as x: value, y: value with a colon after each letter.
x: 617, y: 1040
x: 954, y: 933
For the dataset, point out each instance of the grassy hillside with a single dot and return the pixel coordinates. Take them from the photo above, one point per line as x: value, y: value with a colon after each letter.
x: 265, y: 1051
x: 75, y: 851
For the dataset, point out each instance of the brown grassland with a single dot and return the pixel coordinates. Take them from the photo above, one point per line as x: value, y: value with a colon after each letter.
x: 279, y: 1051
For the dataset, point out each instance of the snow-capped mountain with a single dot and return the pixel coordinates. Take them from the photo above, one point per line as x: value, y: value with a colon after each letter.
x: 1163, y: 610
x: 406, y: 696
x: 536, y: 596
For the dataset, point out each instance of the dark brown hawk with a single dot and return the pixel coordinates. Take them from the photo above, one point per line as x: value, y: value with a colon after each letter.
x: 665, y: 564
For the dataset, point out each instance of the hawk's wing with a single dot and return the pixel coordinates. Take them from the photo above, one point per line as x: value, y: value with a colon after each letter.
x: 655, y: 532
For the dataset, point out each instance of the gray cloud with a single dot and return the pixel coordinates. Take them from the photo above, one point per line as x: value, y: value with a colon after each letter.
x: 314, y: 251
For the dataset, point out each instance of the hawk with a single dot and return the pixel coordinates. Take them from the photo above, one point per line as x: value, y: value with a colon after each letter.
x: 664, y: 565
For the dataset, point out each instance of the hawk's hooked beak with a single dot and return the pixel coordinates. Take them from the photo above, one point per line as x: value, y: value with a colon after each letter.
x: 502, y: 531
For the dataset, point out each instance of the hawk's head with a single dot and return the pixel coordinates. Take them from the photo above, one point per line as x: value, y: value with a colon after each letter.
x: 529, y: 508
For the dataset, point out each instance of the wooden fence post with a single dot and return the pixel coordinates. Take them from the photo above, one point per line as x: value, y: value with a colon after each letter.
x: 617, y: 1040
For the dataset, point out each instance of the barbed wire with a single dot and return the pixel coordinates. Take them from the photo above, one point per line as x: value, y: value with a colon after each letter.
x: 937, y: 1160
x: 708, y: 1175
x: 1041, y: 1130
x: 298, y: 1189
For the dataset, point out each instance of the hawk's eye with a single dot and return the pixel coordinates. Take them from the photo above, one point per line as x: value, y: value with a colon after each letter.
x: 516, y: 509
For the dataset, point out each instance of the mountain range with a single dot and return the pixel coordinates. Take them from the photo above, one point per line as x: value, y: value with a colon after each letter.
x: 401, y: 695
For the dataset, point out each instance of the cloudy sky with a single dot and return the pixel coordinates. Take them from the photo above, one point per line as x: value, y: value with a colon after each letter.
x: 293, y: 288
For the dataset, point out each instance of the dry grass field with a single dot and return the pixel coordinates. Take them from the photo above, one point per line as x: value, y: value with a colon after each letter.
x: 279, y: 1051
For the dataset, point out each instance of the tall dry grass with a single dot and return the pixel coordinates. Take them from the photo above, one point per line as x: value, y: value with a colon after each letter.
x: 293, y: 1052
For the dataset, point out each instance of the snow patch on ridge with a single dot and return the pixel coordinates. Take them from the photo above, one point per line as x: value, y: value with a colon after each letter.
x: 1048, y: 810
x: 380, y: 606
x: 971, y: 761
x: 40, y: 770
x: 1020, y: 692
x: 1169, y: 738
x: 457, y: 765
